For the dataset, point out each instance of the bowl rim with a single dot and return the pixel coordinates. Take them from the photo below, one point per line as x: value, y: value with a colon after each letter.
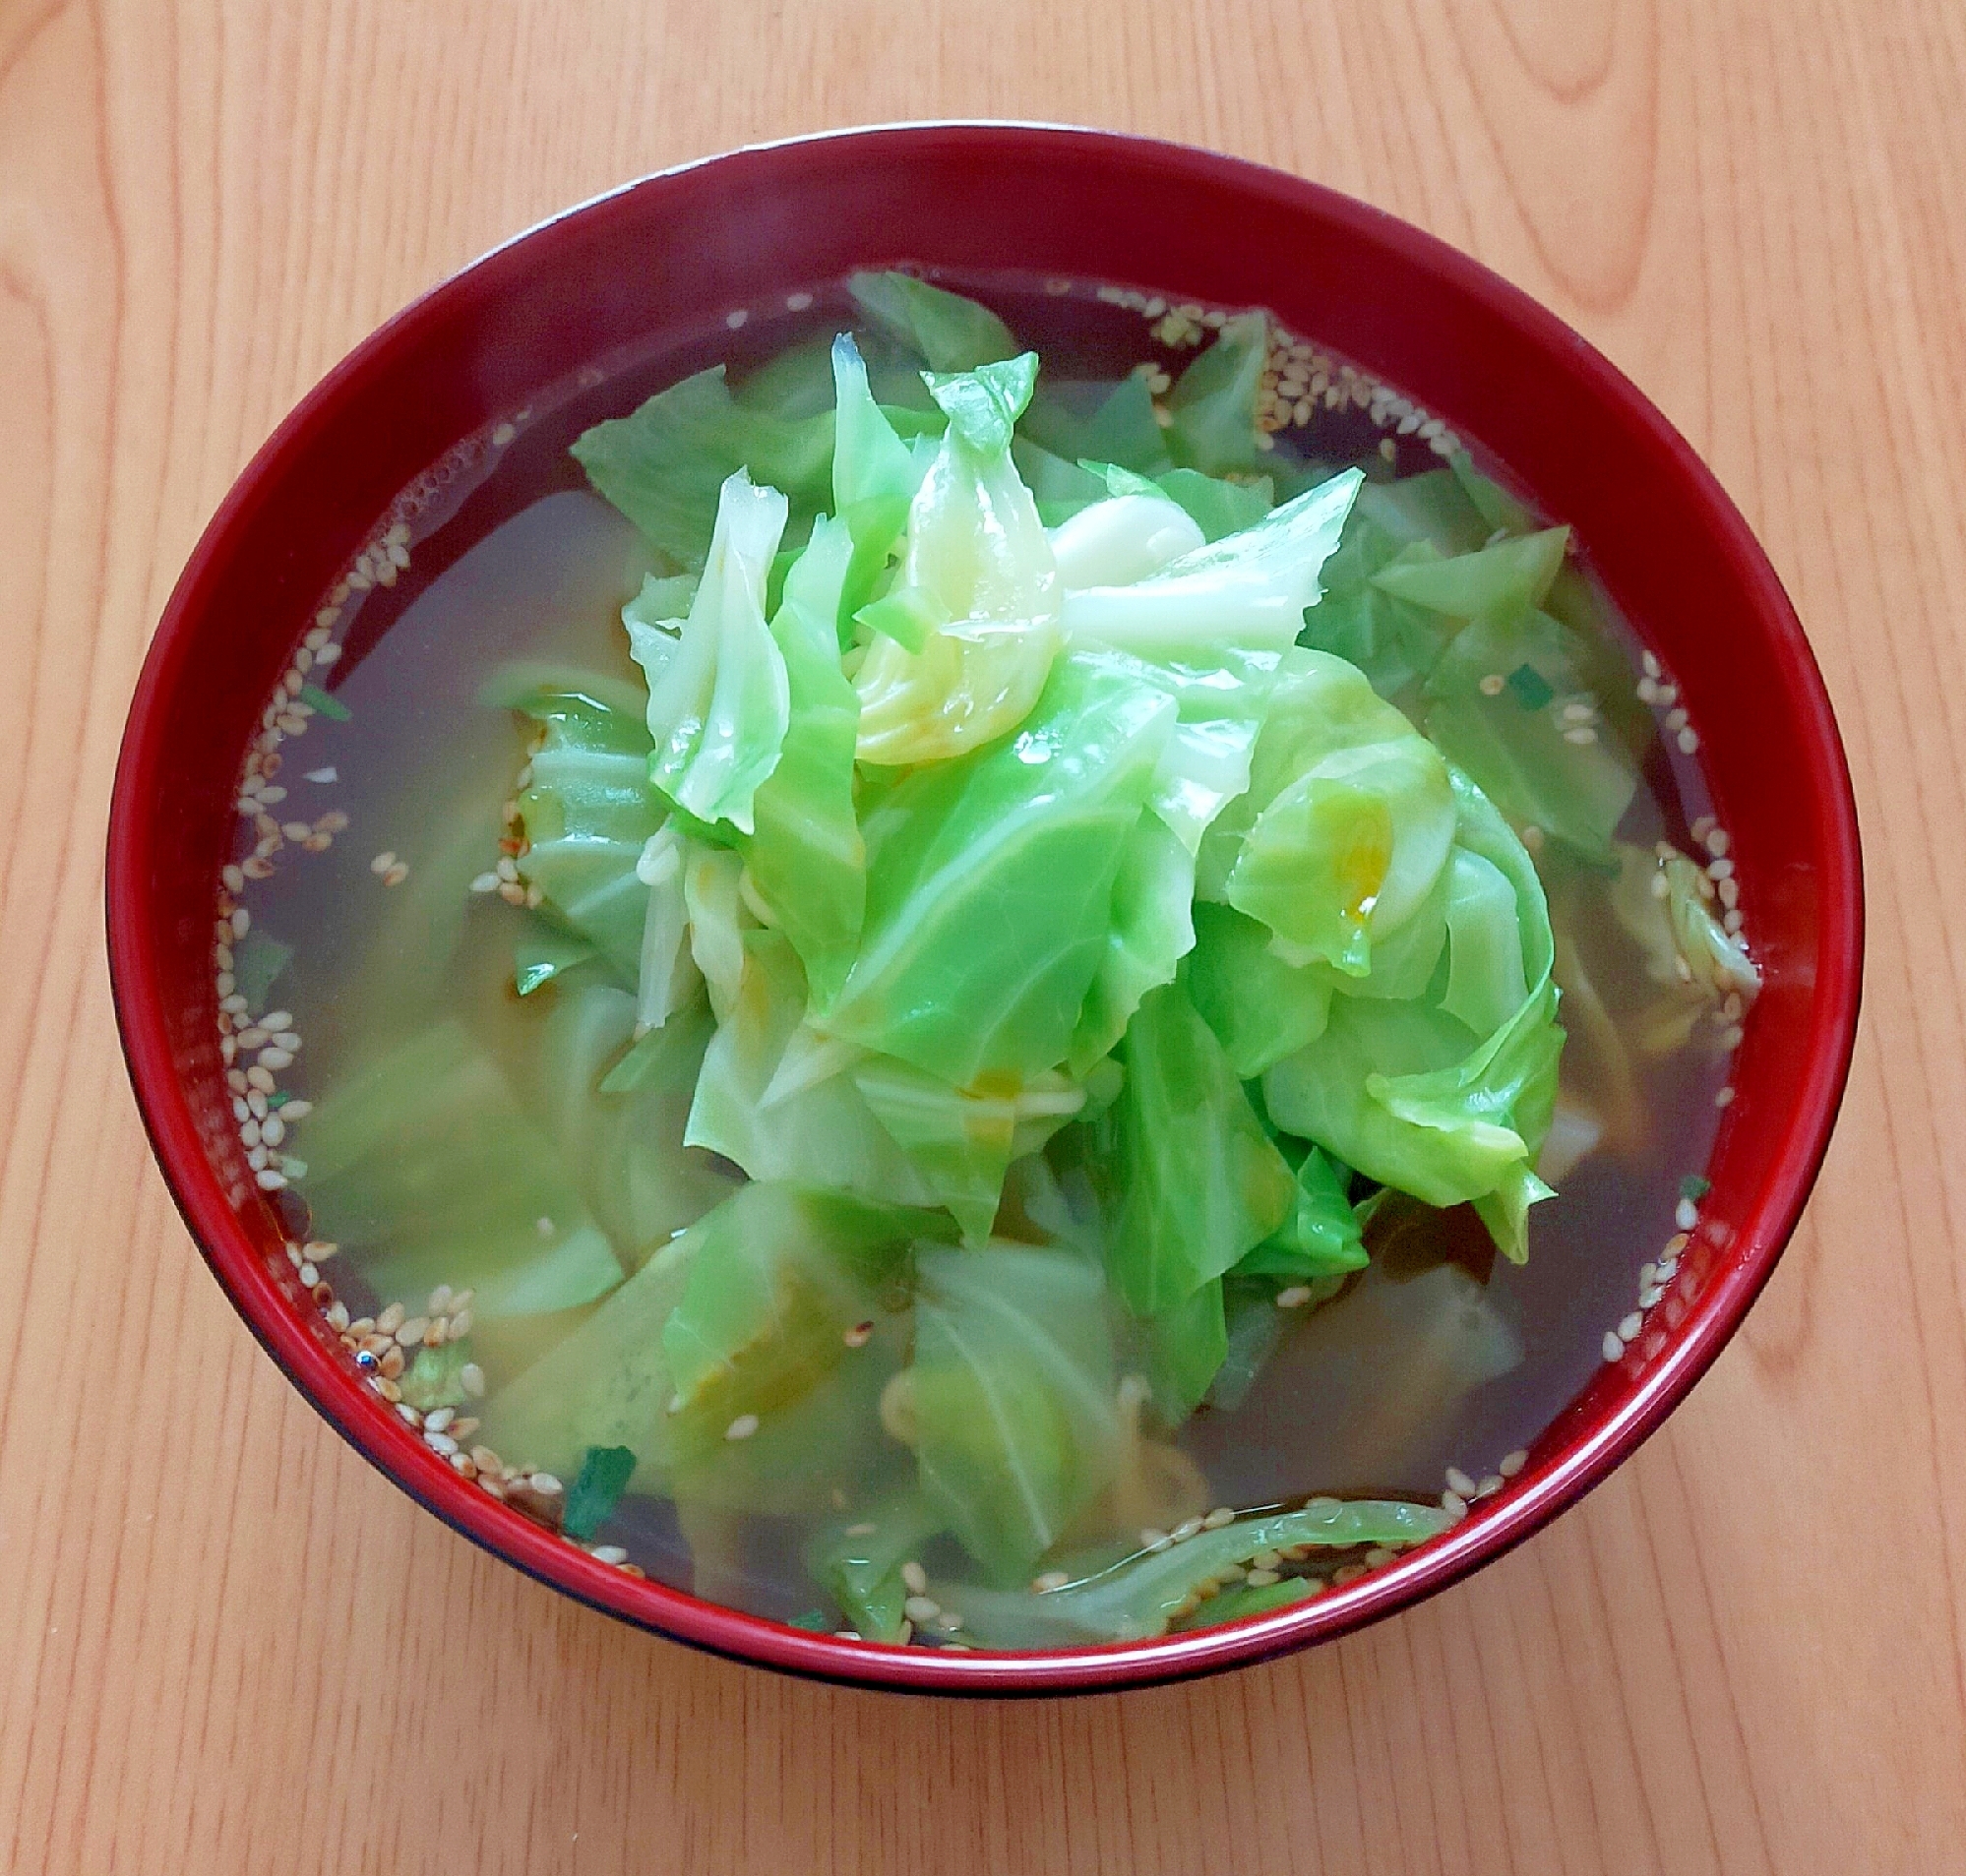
x: 1583, y: 1459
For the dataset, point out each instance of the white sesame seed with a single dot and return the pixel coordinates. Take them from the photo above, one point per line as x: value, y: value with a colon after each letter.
x: 1262, y: 1579
x: 260, y: 1078
x: 1685, y: 1214
x: 409, y: 1333
x: 1051, y: 1579
x: 439, y: 1418
x: 1648, y: 691
x: 1455, y: 1506
x: 741, y: 1427
x: 1581, y: 734
x: 858, y: 1336
x: 608, y: 1553
x: 1629, y: 1327
x: 921, y: 1608
x: 546, y: 1484
x: 1492, y: 685
x: 1689, y: 743
x: 296, y: 1111
x: 1295, y: 1297
x: 1676, y: 719
x: 275, y: 1058
x: 1489, y: 1485
x: 1184, y: 1530
x: 381, y: 863
x: 327, y: 654
x: 914, y: 1577
x: 1153, y: 1539
x: 397, y: 874
x: 486, y: 882
x: 471, y: 1379
x: 1613, y: 1349
x: 268, y: 1181
x: 1732, y: 1037
x: 439, y: 1442
x: 1458, y: 1481
x: 1513, y: 1463
x: 1724, y: 1098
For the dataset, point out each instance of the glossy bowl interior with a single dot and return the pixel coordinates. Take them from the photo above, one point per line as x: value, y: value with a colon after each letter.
x: 665, y: 255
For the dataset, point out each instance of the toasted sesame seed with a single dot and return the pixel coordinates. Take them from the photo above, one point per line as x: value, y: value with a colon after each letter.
x: 1153, y: 1539
x: 859, y: 1335
x: 741, y: 1427
x: 1262, y: 1579
x: 1378, y: 1557
x: 1051, y: 1579
x: 1184, y: 1530
x: 1494, y: 685
x: 914, y: 1577
x: 390, y: 1319
x: 1217, y: 1518
x: 1613, y: 1349
x: 397, y: 874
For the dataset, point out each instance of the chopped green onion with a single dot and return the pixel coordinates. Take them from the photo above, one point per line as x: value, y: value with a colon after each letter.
x: 1694, y: 1188
x: 1532, y: 690
x: 604, y: 1476
x: 319, y: 702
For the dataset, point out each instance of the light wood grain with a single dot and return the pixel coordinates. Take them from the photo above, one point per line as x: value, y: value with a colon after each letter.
x: 226, y: 1645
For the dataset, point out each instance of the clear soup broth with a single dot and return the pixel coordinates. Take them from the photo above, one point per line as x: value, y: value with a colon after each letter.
x: 445, y: 1066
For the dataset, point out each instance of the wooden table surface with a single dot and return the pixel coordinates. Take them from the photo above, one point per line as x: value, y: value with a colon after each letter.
x: 226, y: 1645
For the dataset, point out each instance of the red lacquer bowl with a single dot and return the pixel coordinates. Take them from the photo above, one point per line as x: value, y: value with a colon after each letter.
x: 660, y: 255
